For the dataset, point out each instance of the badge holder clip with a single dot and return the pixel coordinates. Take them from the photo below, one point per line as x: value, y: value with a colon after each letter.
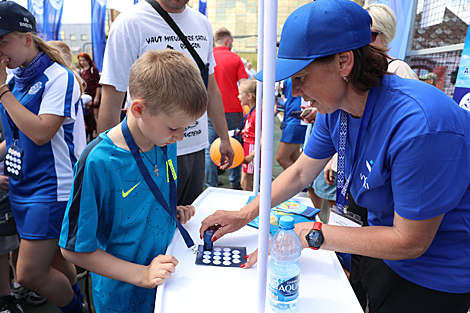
x: 14, y: 162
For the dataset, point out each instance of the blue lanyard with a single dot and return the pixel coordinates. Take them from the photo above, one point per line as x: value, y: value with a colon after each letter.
x: 342, y: 188
x: 171, y: 209
x: 242, y: 124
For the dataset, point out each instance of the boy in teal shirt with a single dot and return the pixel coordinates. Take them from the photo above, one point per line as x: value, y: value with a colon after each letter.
x: 114, y: 226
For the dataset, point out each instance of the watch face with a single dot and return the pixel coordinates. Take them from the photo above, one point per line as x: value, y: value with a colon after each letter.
x: 315, y: 239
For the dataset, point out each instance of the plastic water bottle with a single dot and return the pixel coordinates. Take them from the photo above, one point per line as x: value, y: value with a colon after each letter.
x: 284, y: 267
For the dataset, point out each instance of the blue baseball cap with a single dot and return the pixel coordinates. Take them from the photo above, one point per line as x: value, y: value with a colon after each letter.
x: 318, y: 29
x: 14, y: 17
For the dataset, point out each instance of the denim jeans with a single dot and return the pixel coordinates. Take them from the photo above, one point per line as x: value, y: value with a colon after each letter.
x: 212, y: 178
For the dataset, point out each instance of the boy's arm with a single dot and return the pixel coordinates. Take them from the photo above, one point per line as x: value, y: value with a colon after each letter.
x: 104, y: 264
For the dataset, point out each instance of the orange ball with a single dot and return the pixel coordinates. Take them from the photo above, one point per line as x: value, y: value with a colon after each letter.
x: 237, y: 148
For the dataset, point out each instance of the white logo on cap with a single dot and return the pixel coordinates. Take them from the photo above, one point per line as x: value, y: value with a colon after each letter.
x: 23, y: 24
x: 102, y: 2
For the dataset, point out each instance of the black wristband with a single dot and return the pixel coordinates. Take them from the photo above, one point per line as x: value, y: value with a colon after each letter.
x: 4, y: 93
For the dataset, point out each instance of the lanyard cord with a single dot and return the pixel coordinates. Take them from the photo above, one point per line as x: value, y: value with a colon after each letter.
x: 342, y: 187
x: 171, y: 209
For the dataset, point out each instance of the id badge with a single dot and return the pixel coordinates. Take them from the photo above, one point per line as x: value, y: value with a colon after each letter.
x: 14, y: 162
x: 340, y: 218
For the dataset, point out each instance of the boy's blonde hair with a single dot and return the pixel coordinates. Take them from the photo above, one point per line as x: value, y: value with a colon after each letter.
x: 168, y: 81
x: 64, y: 49
x: 249, y: 86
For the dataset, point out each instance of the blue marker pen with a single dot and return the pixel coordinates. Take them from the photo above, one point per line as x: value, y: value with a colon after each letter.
x: 208, y: 245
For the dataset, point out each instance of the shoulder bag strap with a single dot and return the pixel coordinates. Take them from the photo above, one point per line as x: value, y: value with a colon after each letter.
x: 177, y: 30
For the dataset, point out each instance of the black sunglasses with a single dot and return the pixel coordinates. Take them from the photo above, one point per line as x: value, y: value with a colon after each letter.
x: 374, y: 35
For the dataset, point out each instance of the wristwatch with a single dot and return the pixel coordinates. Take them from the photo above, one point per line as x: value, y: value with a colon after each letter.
x: 315, y: 236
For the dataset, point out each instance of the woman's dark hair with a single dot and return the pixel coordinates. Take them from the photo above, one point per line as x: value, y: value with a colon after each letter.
x: 370, y: 65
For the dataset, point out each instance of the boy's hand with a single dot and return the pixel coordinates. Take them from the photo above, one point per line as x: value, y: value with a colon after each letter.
x: 160, y: 269
x: 184, y: 213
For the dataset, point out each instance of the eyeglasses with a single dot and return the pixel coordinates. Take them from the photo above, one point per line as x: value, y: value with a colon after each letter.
x: 374, y: 35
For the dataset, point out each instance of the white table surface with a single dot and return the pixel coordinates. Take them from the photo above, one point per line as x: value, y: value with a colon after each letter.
x: 195, y: 288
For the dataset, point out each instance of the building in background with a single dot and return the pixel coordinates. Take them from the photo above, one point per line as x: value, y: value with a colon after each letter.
x: 241, y: 18
x: 77, y: 37
x: 438, y: 34
x: 438, y: 38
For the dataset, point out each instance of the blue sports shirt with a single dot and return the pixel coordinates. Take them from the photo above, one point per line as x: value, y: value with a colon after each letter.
x: 112, y: 208
x: 47, y: 169
x: 416, y: 162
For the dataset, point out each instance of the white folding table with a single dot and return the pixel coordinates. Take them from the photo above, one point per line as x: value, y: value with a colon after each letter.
x: 324, y: 286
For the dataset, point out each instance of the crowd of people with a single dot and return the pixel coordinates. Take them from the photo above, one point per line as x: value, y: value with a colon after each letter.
x: 360, y: 133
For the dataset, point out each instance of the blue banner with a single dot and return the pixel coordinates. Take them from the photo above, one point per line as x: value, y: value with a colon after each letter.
x: 403, y: 9
x: 203, y: 7
x: 98, y: 34
x: 36, y: 7
x: 52, y: 19
x: 462, y: 85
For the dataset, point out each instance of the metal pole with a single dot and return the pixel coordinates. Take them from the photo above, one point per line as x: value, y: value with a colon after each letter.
x: 270, y: 25
x: 412, y: 32
x: 259, y: 95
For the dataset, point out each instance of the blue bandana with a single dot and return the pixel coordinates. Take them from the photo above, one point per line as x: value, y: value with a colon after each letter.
x: 24, y: 77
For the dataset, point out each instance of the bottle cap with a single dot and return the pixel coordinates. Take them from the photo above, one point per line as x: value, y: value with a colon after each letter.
x: 286, y: 222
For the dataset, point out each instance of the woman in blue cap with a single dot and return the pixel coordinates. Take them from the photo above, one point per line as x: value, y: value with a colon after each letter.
x: 398, y: 141
x: 38, y: 109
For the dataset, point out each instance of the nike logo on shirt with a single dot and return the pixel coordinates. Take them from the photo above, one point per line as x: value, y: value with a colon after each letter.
x: 125, y: 194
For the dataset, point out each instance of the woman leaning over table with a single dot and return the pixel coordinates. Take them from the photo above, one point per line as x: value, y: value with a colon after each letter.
x: 412, y: 170
x: 38, y: 110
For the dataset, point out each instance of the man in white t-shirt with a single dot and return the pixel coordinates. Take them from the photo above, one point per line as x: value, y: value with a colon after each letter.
x: 141, y: 29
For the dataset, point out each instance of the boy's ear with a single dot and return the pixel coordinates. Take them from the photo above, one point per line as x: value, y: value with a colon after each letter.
x: 137, y: 107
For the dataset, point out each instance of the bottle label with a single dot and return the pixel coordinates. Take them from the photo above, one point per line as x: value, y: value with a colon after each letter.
x: 284, y: 289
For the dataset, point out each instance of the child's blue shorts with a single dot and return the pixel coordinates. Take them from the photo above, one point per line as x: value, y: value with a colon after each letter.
x: 40, y: 220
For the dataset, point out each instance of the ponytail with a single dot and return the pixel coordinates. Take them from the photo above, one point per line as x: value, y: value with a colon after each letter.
x: 53, y: 53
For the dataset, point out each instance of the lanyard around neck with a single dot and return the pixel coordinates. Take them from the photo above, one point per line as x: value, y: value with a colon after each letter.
x: 242, y: 124
x: 342, y: 187
x: 171, y: 209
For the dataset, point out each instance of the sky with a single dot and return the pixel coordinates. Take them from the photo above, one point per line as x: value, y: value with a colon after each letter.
x: 79, y: 11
